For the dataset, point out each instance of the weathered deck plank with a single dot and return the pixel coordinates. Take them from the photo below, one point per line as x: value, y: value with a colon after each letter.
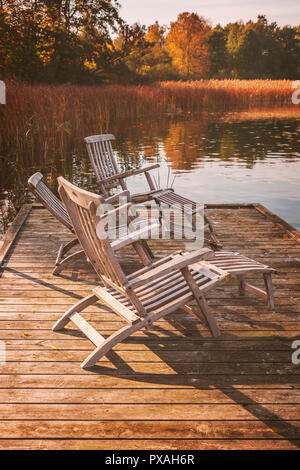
x: 173, y: 387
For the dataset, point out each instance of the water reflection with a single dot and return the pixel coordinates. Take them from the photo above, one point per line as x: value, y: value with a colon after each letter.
x: 190, y: 143
x: 216, y: 158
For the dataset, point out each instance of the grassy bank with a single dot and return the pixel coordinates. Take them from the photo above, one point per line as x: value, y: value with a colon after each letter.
x: 41, y: 120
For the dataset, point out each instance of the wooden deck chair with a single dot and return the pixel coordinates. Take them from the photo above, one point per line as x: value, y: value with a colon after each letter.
x: 56, y: 208
x: 235, y: 264
x: 108, y: 176
x: 143, y: 297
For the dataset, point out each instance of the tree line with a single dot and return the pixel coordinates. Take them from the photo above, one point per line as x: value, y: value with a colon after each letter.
x: 87, y: 42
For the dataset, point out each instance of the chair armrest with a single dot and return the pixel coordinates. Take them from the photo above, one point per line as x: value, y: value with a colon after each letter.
x: 178, y: 261
x: 101, y: 233
x: 115, y: 198
x: 118, y: 209
x: 125, y: 174
x: 141, y: 234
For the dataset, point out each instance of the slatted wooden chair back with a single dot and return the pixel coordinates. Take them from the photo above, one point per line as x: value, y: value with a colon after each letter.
x: 102, y: 158
x: 85, y: 210
x: 48, y: 199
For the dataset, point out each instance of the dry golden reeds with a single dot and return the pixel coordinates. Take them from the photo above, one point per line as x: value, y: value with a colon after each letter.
x: 46, y: 119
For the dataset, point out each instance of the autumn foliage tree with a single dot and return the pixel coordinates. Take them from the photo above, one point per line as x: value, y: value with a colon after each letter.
x: 187, y: 44
x: 132, y: 46
x: 157, y: 63
x: 58, y: 41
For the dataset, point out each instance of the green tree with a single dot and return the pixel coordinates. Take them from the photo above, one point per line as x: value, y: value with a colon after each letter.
x: 218, y: 52
x: 254, y: 49
x: 289, y: 40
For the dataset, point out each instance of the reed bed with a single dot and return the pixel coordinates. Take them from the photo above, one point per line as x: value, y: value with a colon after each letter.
x: 258, y: 113
x: 42, y: 120
x: 225, y: 94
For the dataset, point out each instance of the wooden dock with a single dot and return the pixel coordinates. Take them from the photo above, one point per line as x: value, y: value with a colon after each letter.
x: 172, y: 387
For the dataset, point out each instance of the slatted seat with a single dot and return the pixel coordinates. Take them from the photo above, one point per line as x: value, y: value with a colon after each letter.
x: 108, y: 177
x: 235, y: 264
x: 159, y: 288
x: 181, y: 203
x: 239, y: 265
x: 170, y: 287
x: 170, y: 198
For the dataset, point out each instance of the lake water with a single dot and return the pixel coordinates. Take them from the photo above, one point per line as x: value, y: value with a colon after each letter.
x: 214, y: 159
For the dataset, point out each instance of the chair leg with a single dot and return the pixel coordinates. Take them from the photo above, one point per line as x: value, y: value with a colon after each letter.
x: 269, y: 289
x: 78, y: 307
x: 204, y: 314
x: 67, y: 260
x: 110, y: 342
x: 63, y: 249
x: 242, y: 290
x: 148, y: 249
x: 197, y: 311
x: 70, y: 245
x: 267, y: 294
x: 214, y: 241
x: 209, y: 318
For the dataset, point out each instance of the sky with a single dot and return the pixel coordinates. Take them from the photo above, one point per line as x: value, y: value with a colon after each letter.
x: 217, y: 11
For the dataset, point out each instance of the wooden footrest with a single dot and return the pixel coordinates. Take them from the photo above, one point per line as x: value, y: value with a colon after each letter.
x: 87, y: 329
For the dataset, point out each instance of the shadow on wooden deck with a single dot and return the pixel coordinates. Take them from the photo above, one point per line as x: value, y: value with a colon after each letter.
x: 172, y: 387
